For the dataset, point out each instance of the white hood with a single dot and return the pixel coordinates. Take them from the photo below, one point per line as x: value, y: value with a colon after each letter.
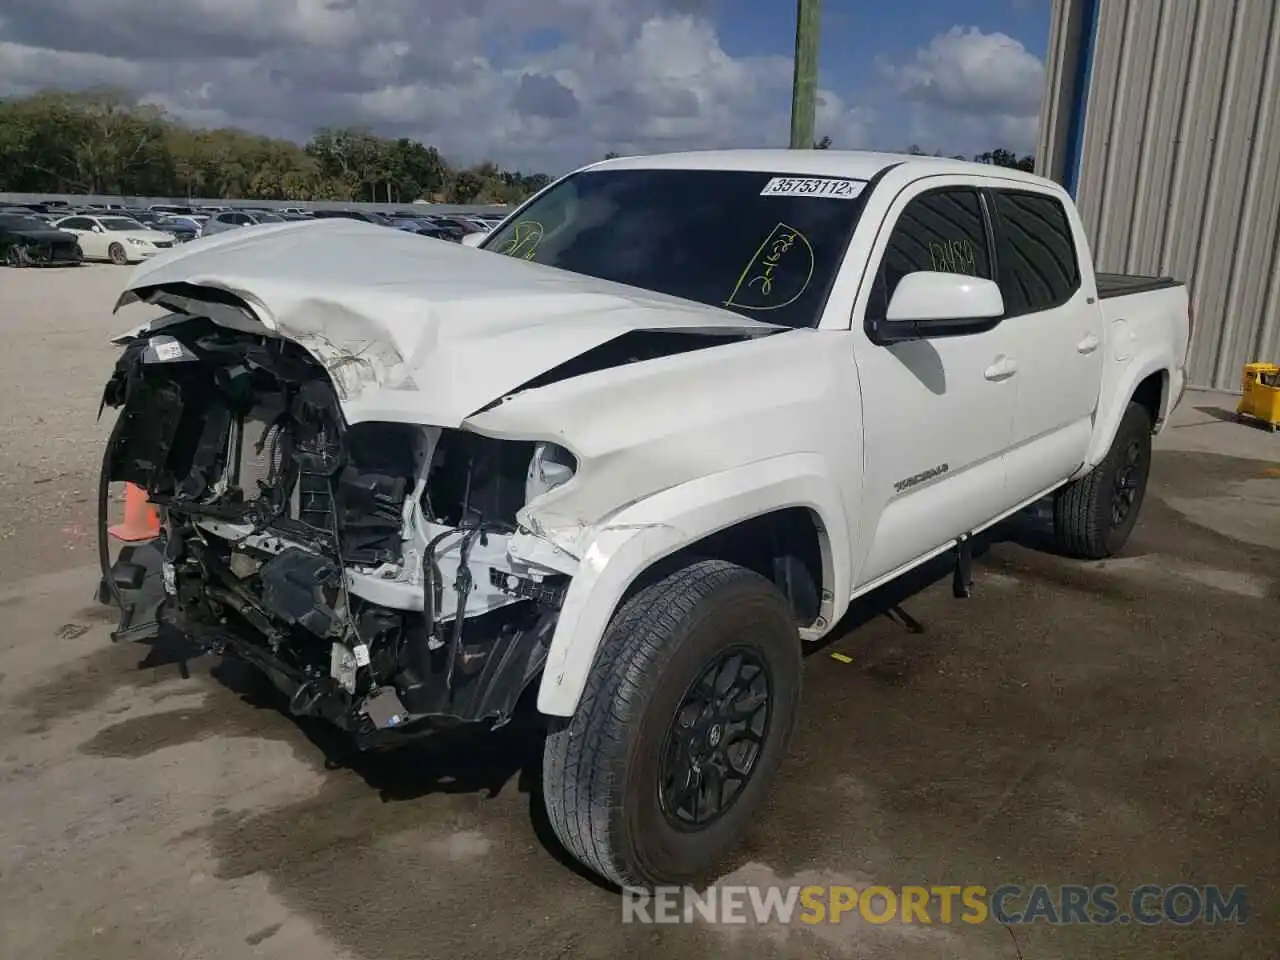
x: 409, y: 330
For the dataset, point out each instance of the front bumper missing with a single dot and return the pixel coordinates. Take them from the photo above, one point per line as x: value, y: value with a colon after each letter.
x: 487, y: 694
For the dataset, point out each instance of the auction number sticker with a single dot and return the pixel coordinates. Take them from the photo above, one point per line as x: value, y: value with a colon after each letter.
x: 167, y: 350
x: 825, y: 187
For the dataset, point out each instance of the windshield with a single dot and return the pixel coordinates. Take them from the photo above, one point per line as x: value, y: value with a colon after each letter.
x: 765, y: 245
x: 267, y: 218
x: 117, y: 224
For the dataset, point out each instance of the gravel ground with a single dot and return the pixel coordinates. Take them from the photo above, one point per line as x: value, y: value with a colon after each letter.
x: 57, y: 324
x: 1071, y: 723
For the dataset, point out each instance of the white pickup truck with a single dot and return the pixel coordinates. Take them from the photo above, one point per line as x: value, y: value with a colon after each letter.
x: 622, y: 463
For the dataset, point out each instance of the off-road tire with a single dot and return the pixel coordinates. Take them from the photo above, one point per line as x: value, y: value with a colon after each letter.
x: 601, y: 767
x: 117, y: 254
x: 1083, y: 524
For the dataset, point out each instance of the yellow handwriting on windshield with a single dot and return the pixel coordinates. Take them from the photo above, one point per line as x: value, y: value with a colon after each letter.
x: 778, y: 273
x: 525, y: 237
x: 954, y: 256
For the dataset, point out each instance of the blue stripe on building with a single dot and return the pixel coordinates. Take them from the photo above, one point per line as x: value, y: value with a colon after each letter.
x: 1091, y: 11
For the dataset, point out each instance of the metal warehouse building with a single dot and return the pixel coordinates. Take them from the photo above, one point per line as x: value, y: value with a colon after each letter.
x: 1162, y: 117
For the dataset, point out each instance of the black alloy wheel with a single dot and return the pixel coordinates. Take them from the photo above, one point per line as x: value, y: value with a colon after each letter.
x: 715, y: 739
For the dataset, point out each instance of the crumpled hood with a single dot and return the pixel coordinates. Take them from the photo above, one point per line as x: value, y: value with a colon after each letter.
x: 409, y: 329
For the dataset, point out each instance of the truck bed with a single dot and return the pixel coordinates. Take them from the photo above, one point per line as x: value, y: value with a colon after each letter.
x: 1123, y: 284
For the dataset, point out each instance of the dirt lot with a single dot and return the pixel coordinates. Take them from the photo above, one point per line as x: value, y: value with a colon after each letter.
x: 1069, y: 724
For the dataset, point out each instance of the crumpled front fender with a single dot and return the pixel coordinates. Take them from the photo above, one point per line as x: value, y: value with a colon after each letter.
x: 619, y: 549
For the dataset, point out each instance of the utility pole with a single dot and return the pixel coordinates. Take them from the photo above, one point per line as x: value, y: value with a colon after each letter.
x: 804, y: 85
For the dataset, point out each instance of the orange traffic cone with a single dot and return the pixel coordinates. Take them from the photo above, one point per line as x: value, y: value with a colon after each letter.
x: 141, y: 519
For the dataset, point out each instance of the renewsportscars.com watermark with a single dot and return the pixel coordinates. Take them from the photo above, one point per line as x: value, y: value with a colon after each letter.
x: 1102, y: 904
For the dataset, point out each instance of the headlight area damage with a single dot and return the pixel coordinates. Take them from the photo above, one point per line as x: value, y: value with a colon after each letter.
x: 368, y: 570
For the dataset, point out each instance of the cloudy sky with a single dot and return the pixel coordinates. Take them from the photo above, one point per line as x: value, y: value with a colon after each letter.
x: 550, y: 84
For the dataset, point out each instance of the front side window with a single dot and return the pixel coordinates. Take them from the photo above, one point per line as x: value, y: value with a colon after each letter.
x: 941, y: 231
x: 1038, y: 266
x: 766, y: 245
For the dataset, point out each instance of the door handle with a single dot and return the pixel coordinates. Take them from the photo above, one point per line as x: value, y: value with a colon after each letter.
x: 1087, y: 345
x: 1002, y: 369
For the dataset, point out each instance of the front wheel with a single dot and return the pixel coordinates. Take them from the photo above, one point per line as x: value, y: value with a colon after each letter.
x: 1094, y: 515
x: 685, y: 719
x: 117, y: 254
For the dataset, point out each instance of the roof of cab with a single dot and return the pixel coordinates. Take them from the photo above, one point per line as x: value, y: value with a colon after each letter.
x: 857, y: 164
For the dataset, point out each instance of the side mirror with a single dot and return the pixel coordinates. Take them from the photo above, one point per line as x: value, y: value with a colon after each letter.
x: 932, y: 304
x: 474, y: 239
x: 97, y: 228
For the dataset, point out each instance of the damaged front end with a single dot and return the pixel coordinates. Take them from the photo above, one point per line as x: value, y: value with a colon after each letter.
x: 371, y: 570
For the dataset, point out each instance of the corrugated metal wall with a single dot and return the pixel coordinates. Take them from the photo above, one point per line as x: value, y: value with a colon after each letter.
x: 1180, y: 172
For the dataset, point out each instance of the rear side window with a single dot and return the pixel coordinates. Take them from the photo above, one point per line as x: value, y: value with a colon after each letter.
x: 943, y: 231
x: 1038, y: 266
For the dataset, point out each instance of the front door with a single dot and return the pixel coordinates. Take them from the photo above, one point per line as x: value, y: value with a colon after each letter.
x: 938, y: 413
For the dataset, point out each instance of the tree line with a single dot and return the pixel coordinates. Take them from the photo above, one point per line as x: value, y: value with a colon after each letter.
x: 103, y: 142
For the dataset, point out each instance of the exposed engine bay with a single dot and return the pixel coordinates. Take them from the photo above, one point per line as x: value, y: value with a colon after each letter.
x: 365, y: 568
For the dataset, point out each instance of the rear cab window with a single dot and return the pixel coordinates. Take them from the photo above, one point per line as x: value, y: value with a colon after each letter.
x: 766, y: 245
x: 1036, y: 251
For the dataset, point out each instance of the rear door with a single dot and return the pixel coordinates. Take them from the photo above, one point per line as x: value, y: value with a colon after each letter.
x: 1054, y: 328
x: 938, y: 413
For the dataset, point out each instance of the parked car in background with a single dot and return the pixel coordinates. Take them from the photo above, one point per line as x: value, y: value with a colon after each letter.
x: 118, y: 239
x: 26, y: 241
x: 144, y: 217
x: 424, y: 228
x: 234, y: 219
x: 184, y: 229
x: 449, y: 231
x: 367, y: 216
x: 461, y: 224
x: 171, y: 208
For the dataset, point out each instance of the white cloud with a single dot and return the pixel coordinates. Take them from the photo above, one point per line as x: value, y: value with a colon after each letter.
x: 627, y: 75
x: 971, y: 91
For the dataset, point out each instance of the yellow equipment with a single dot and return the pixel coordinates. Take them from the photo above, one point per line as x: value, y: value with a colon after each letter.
x: 1261, y: 399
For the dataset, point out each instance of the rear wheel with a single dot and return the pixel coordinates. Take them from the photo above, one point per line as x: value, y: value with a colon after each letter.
x: 685, y: 719
x: 1094, y: 515
x: 117, y: 254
